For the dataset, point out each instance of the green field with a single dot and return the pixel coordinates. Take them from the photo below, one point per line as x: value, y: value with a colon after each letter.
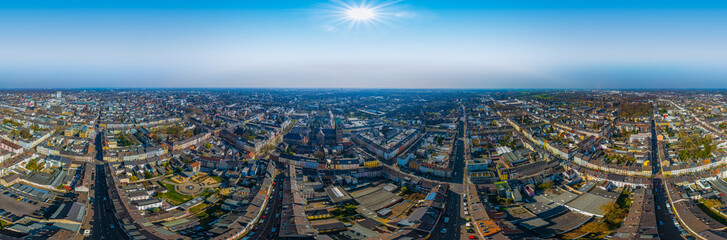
x: 173, y: 196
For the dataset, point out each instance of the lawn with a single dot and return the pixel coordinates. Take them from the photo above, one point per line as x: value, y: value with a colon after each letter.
x: 216, y: 178
x: 198, y: 208
x: 172, y: 196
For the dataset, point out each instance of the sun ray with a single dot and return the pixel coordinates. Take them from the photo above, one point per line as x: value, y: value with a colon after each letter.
x: 366, y: 15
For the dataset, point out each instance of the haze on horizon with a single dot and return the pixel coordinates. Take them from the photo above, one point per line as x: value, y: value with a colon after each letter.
x: 424, y: 44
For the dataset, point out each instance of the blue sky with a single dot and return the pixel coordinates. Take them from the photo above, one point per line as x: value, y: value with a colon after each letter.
x: 425, y: 44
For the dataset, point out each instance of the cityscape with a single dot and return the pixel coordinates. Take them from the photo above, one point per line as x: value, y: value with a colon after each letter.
x: 363, y: 164
x: 363, y: 120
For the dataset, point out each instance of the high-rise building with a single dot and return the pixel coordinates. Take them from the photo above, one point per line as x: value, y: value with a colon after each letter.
x: 58, y: 94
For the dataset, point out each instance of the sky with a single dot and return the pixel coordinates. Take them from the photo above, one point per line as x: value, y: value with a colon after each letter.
x: 482, y: 44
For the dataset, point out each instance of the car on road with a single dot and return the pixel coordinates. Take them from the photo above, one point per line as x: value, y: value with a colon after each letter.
x: 446, y: 220
x: 444, y: 230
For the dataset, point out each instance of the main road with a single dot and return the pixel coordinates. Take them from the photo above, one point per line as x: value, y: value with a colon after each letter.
x: 272, y: 217
x: 104, y: 221
x: 664, y: 218
x: 454, y: 210
x: 104, y: 225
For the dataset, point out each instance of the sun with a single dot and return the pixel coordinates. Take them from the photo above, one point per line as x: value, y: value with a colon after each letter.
x: 361, y: 13
x: 350, y: 16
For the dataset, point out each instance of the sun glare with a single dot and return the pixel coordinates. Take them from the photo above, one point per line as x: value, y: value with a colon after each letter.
x: 361, y: 13
x: 350, y: 16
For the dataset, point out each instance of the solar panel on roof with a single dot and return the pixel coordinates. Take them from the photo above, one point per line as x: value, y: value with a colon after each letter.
x: 430, y: 196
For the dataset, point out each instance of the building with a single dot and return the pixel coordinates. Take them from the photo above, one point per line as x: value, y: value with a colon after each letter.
x: 148, y: 204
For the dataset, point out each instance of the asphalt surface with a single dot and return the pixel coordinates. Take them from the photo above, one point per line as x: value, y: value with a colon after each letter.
x: 664, y: 218
x: 104, y: 217
x: 264, y: 230
x: 454, y: 209
x: 103, y: 210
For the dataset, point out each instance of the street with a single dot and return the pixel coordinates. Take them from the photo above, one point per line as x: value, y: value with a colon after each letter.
x: 103, y: 217
x: 454, y: 209
x: 271, y: 220
x: 667, y: 230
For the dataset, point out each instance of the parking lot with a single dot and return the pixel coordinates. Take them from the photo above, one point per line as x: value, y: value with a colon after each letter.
x: 10, y: 203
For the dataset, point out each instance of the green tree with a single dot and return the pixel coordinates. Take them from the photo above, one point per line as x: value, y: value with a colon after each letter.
x: 546, y: 184
x: 25, y: 133
x: 713, y: 203
x: 32, y: 165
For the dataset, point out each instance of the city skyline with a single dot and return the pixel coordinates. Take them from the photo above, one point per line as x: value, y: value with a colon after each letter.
x: 423, y: 44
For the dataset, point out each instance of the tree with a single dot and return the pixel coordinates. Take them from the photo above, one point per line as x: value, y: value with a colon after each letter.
x: 713, y: 203
x: 403, y: 189
x: 319, y: 155
x: 32, y: 165
x: 25, y: 133
x: 546, y: 184
x: 208, y: 145
x: 346, y: 210
x: 133, y: 178
x: 614, y: 214
x: 155, y: 210
x: 595, y: 227
x: 148, y: 175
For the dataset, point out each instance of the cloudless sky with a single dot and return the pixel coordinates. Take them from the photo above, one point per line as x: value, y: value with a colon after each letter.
x: 419, y: 44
